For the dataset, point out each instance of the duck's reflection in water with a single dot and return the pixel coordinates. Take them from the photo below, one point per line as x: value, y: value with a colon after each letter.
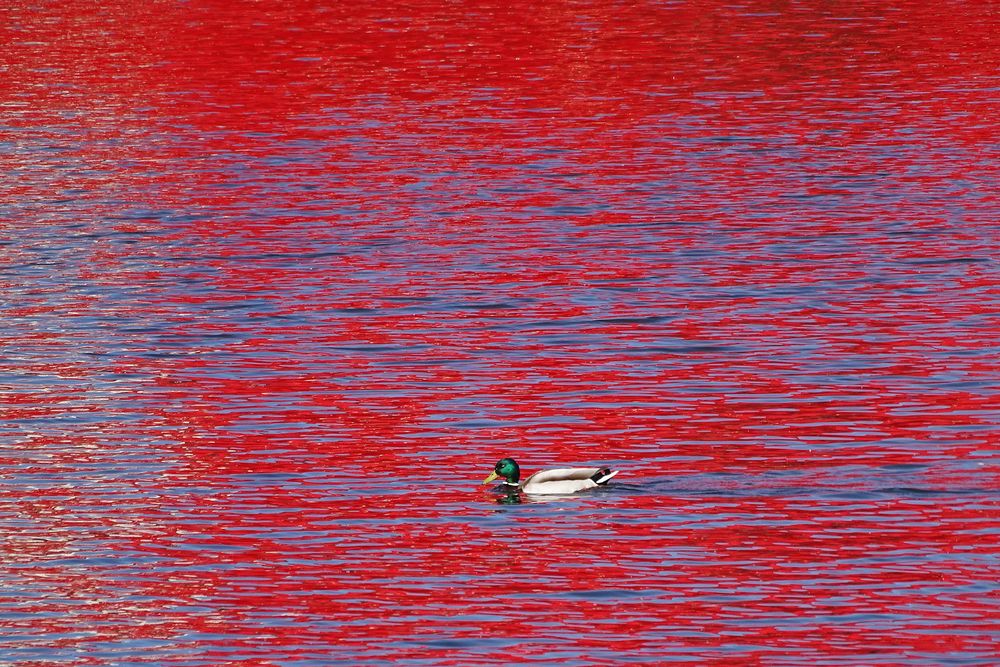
x: 517, y: 498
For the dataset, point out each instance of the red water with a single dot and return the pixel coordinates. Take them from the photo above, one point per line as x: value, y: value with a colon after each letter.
x: 282, y: 281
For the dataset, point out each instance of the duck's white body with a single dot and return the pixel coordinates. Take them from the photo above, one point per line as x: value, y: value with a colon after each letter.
x: 565, y: 480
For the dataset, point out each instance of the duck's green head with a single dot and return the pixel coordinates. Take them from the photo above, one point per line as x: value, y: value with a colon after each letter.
x: 506, y: 468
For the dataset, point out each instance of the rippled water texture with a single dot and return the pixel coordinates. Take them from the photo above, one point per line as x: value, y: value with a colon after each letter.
x: 282, y: 281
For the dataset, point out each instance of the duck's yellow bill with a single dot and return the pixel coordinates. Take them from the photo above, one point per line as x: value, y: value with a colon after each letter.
x: 493, y: 476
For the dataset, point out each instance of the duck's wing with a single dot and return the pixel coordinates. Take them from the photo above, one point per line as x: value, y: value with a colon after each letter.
x: 566, y: 480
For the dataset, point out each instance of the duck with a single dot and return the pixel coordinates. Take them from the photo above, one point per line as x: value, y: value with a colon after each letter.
x: 555, y: 481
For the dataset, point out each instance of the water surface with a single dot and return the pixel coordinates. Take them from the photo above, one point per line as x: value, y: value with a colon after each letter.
x: 281, y: 282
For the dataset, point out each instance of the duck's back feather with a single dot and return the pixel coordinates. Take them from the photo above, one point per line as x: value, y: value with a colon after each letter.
x: 566, y: 480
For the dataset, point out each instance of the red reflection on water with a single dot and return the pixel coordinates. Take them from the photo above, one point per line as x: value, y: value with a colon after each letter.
x: 338, y: 260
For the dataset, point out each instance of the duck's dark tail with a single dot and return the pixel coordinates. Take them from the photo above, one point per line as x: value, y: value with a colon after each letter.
x: 603, y: 475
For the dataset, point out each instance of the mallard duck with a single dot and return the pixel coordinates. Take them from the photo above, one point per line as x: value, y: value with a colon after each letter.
x: 559, y: 480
